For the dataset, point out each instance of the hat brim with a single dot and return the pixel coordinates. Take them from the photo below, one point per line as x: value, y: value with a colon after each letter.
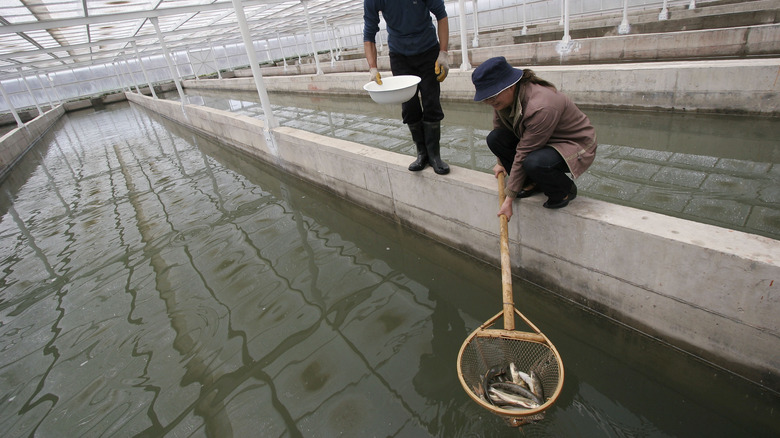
x: 488, y: 92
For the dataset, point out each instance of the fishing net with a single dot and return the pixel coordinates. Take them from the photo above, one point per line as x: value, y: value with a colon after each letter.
x: 529, y: 351
x: 487, y: 348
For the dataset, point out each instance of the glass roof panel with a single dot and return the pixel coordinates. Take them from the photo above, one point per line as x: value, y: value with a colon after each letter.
x: 51, y: 34
x: 105, y: 7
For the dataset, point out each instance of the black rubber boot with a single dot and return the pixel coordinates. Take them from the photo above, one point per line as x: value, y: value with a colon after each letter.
x: 432, y: 137
x: 418, y: 136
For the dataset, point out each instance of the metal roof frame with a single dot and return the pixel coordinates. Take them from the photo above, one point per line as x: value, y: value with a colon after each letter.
x: 54, y: 35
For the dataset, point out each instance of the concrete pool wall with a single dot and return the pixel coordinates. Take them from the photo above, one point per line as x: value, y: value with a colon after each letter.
x: 16, y: 142
x: 722, y: 86
x: 703, y: 289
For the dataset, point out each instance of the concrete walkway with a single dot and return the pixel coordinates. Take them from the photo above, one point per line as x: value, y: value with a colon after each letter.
x: 681, y: 165
x: 722, y: 86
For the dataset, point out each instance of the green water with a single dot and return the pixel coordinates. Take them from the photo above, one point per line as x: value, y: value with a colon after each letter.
x: 154, y: 283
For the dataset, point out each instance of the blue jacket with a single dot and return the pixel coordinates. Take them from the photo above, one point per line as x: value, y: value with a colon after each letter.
x: 409, y: 26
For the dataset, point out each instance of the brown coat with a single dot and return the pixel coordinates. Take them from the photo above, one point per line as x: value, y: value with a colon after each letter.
x: 542, y: 116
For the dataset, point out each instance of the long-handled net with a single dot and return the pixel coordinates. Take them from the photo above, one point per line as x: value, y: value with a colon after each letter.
x: 491, y: 357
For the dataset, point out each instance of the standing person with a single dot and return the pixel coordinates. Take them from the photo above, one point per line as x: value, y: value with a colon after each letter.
x: 538, y: 134
x: 415, y: 50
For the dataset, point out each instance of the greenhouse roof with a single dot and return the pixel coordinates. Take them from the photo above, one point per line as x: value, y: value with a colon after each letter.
x: 52, y: 35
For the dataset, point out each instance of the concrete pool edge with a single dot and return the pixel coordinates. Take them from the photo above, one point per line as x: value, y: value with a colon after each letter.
x: 18, y: 141
x: 703, y: 289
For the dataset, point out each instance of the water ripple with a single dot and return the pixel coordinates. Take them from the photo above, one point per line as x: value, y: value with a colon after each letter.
x: 155, y: 284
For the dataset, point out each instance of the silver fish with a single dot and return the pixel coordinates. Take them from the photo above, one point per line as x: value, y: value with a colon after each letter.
x: 525, y: 377
x: 514, y: 372
x: 501, y: 398
x: 512, y: 388
x: 536, y: 385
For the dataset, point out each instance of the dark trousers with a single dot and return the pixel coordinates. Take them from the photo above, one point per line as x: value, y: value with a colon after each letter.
x: 545, y: 167
x: 425, y: 105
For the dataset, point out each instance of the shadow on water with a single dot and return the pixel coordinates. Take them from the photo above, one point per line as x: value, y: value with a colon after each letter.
x: 185, y: 289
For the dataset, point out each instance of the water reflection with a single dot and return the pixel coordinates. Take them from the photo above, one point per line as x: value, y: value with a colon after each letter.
x: 153, y: 283
x: 722, y: 170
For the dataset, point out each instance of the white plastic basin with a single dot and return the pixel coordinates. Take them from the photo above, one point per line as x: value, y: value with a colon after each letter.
x: 394, y: 89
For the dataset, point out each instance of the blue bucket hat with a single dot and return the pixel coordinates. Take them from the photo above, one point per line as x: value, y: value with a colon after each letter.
x: 494, y: 76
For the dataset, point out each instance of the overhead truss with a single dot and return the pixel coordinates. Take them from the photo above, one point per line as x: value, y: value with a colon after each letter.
x: 51, y: 35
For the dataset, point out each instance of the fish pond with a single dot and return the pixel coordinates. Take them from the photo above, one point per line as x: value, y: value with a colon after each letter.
x: 155, y: 283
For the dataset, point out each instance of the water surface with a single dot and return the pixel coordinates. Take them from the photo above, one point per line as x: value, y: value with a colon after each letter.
x: 154, y: 283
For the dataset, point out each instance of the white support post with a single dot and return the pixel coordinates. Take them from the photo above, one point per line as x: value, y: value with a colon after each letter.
x: 132, y: 76
x: 281, y: 49
x: 189, y: 61
x: 566, y: 38
x: 45, y: 91
x: 311, y: 37
x: 664, y: 14
x: 168, y: 60
x: 475, y: 41
x: 464, y: 49
x: 337, y: 37
x: 143, y: 69
x: 524, y: 31
x: 214, y: 58
x: 565, y: 45
x: 297, y: 49
x: 118, y: 78
x: 624, y: 27
x: 121, y: 74
x: 133, y: 82
x: 10, y: 106
x: 56, y: 93
x: 227, y: 57
x: 330, y: 44
x: 29, y: 90
x: 270, y: 120
x: 563, y: 13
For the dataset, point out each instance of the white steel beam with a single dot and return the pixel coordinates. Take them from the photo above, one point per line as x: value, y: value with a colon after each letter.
x: 123, y: 16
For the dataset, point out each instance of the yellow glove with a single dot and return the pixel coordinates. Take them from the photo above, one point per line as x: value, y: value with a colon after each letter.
x: 375, y: 76
x: 442, y: 66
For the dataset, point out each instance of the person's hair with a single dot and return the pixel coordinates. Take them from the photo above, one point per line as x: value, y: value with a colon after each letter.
x: 530, y: 76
